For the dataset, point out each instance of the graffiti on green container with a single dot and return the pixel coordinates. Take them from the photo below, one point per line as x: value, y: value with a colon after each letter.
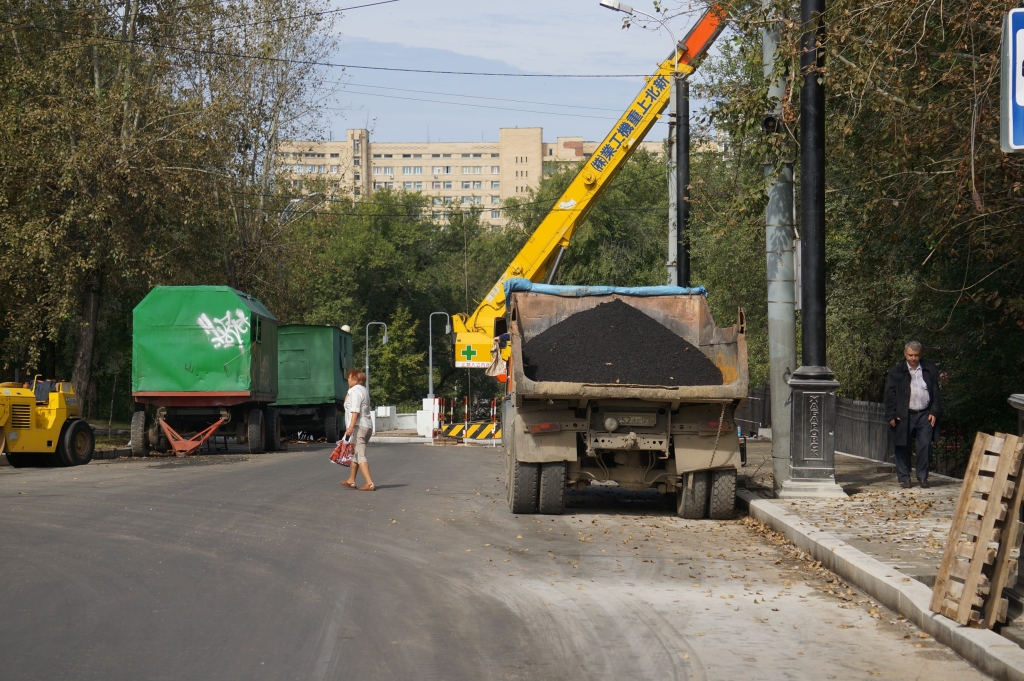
x: 226, y: 331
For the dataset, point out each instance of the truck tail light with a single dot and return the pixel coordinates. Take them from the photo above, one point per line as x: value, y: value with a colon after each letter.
x: 541, y: 428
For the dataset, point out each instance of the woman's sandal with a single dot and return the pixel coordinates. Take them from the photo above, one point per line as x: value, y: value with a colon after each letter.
x: 346, y: 483
x: 367, y: 488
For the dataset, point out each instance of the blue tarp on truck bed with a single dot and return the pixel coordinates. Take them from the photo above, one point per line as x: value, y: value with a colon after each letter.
x: 519, y: 284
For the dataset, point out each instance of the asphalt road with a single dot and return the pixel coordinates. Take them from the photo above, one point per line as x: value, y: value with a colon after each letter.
x: 230, y: 567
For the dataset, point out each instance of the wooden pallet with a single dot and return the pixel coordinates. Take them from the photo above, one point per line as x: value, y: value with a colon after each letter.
x: 984, y: 540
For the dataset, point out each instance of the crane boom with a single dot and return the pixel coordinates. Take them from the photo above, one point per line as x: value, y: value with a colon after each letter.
x: 474, y: 333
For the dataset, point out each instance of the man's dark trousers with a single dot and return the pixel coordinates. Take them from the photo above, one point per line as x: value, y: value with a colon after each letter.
x: 919, y: 430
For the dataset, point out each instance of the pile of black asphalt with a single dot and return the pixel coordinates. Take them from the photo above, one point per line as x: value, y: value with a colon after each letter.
x: 616, y: 343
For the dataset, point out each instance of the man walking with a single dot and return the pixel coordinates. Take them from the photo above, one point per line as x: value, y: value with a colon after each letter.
x: 913, y: 406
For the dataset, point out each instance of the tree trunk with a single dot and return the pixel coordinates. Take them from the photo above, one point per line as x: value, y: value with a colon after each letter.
x: 82, y: 374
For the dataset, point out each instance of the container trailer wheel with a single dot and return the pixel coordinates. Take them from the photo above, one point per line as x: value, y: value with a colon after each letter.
x: 692, y: 500
x: 139, y: 435
x: 76, y: 444
x: 273, y: 430
x: 723, y: 494
x: 257, y: 432
x: 331, y: 424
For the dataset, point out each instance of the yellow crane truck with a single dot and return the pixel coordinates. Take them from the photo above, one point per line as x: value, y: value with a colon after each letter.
x: 42, y: 425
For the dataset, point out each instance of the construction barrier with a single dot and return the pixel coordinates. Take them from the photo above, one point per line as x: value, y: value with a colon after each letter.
x: 471, y: 430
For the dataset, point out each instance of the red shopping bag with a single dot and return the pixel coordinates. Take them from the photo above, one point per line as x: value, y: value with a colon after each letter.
x: 342, y: 454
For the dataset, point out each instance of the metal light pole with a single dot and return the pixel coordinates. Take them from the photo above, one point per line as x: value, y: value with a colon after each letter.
x: 678, y: 264
x: 384, y: 341
x: 430, y: 348
x: 779, y: 238
x: 812, y: 470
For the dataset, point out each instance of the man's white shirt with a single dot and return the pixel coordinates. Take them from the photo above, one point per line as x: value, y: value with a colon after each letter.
x: 919, y: 397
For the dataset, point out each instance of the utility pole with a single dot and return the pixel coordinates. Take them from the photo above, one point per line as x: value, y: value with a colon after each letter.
x: 679, y: 183
x: 812, y: 471
x: 779, y: 234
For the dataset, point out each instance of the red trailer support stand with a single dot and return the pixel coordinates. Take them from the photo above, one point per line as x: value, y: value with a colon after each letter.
x: 183, y: 447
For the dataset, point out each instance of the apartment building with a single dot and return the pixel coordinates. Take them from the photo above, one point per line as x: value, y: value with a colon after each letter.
x: 483, y: 174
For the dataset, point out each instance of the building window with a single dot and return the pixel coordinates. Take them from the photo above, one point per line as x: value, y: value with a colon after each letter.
x: 495, y: 170
x: 310, y: 169
x: 412, y: 170
x: 355, y: 177
x: 495, y: 184
x: 355, y: 161
x: 296, y: 183
x: 446, y: 185
x: 387, y: 155
x: 296, y: 169
x: 551, y: 152
x: 383, y: 170
x: 376, y: 155
x: 310, y: 155
x: 383, y: 185
x: 477, y: 155
x: 322, y: 169
x: 435, y: 156
x: 437, y: 200
x: 446, y: 155
x: 407, y: 185
x: 319, y: 155
x: 406, y: 155
x: 447, y: 200
x: 355, y: 146
x: 335, y: 155
x: 334, y: 170
x: 356, y: 191
x: 435, y: 185
x: 466, y: 184
x: 466, y: 156
x: 495, y: 200
x: 417, y: 155
x: 471, y: 170
x: 495, y: 214
x: 495, y: 155
x: 478, y: 185
x: 442, y: 170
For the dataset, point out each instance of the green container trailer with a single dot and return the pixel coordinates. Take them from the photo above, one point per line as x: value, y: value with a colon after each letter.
x: 203, y: 355
x: 312, y: 364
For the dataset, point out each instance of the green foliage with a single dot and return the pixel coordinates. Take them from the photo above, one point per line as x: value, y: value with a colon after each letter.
x: 396, y: 369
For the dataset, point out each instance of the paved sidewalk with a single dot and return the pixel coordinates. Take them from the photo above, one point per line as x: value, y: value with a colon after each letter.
x: 889, y: 542
x: 904, y: 529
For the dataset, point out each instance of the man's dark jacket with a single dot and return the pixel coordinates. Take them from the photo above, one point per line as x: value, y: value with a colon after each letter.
x: 897, y: 399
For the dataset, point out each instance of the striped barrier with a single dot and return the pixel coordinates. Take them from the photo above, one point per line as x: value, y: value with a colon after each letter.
x: 479, y: 430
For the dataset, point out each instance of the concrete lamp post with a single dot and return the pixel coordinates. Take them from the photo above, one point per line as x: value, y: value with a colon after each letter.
x: 678, y: 264
x: 430, y: 348
x: 384, y: 341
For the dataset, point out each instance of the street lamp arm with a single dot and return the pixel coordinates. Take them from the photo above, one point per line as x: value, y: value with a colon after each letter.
x: 627, y: 9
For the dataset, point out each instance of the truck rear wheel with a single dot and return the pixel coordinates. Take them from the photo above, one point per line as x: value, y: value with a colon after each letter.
x: 273, y: 430
x: 723, y: 495
x: 692, y: 500
x: 140, y: 444
x: 552, y: 488
x: 257, y: 432
x: 331, y: 424
x: 77, y: 444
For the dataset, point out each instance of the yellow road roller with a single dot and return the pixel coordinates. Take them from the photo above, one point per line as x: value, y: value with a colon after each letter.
x: 42, y: 425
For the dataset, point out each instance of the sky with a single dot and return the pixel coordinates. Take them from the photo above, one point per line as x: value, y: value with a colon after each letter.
x: 525, y: 36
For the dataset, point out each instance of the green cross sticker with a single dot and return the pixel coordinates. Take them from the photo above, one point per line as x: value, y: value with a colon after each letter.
x: 469, y: 353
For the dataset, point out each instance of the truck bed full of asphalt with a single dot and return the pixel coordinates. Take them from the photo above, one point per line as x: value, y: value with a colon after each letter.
x: 616, y: 343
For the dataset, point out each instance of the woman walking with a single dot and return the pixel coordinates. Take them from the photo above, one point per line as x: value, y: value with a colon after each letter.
x: 360, y: 427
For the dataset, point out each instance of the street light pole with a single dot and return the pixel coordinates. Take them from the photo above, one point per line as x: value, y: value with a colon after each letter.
x: 384, y: 341
x: 812, y: 431
x: 430, y: 348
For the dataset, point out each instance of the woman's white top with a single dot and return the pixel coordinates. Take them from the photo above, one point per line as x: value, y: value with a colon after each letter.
x: 357, y: 401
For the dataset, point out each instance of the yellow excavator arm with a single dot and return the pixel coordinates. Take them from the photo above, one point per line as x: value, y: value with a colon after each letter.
x: 474, y: 334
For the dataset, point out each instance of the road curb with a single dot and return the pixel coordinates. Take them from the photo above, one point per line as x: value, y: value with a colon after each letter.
x: 375, y: 440
x: 988, y: 651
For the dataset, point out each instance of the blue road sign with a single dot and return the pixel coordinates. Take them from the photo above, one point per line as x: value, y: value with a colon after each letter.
x: 1011, y: 120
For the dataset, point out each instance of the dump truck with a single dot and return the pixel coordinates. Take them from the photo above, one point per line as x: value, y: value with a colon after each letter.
x: 42, y: 425
x: 680, y: 440
x: 204, y: 364
x: 312, y: 363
